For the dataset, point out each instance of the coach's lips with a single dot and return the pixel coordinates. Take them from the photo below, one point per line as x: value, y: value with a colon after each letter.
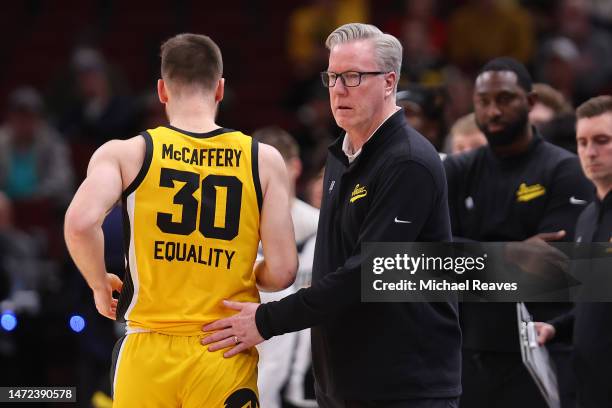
x: 593, y: 166
x: 343, y: 107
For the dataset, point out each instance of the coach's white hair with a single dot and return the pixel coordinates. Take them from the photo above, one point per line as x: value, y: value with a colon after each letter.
x: 387, y: 48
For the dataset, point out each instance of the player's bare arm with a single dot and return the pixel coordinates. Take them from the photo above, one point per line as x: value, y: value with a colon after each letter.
x: 277, y: 270
x: 112, y: 167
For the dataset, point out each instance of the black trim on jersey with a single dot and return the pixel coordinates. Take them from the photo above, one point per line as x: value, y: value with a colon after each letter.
x: 255, y: 168
x: 145, y: 165
x: 127, y: 292
x: 114, y: 358
x: 205, y: 135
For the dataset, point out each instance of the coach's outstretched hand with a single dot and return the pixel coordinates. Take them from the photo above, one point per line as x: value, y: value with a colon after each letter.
x: 238, y: 332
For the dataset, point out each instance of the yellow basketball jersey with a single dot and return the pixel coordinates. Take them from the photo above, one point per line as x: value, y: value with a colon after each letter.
x: 191, y: 226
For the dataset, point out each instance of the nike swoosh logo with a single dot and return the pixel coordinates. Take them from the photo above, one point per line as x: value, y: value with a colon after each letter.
x: 402, y: 221
x: 576, y: 201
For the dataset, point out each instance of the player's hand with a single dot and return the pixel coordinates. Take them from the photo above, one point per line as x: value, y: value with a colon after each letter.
x: 238, y: 332
x: 103, y: 296
x: 545, y: 332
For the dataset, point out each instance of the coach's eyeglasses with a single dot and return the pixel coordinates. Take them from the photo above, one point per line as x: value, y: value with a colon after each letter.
x: 350, y: 79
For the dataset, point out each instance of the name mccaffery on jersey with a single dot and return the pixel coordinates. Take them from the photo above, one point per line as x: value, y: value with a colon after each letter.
x: 218, y: 157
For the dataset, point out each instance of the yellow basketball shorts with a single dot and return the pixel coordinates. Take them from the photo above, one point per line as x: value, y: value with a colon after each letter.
x: 157, y: 370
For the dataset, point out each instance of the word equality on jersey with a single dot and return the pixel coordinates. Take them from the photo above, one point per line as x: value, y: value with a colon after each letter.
x: 182, y: 252
x: 219, y: 157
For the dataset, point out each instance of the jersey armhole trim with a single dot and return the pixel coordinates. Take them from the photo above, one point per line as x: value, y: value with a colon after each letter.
x: 255, y: 168
x: 145, y: 165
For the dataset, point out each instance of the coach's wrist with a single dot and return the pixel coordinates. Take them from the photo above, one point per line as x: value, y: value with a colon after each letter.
x: 262, y: 321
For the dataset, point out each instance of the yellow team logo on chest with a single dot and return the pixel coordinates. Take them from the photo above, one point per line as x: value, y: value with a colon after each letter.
x: 358, y: 192
x: 527, y: 193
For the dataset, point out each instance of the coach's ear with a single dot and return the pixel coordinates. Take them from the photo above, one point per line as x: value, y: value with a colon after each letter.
x: 162, y: 92
x: 219, y: 92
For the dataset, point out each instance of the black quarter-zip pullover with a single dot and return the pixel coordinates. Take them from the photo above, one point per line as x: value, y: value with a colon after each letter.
x: 394, y: 191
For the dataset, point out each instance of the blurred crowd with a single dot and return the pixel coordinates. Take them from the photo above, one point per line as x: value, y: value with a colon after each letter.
x: 51, y: 126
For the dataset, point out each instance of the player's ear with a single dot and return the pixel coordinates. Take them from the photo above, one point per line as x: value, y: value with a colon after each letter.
x: 219, y: 92
x: 162, y: 91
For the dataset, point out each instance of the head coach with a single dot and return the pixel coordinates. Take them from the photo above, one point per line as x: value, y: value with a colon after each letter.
x: 384, y: 182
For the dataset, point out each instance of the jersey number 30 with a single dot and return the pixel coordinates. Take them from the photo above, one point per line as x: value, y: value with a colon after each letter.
x: 212, y: 185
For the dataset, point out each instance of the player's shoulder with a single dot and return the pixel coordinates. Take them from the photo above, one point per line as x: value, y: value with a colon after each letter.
x: 117, y: 146
x: 555, y: 155
x: 271, y: 166
x: 127, y: 154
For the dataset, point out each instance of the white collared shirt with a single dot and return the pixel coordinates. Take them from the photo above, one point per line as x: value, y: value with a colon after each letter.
x: 346, y: 144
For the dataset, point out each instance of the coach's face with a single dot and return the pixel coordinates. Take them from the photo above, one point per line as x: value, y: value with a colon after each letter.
x: 594, y: 139
x: 355, y: 107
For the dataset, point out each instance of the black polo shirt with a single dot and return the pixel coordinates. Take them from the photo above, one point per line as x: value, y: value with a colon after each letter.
x: 591, y: 323
x: 511, y: 199
x: 595, y: 222
x: 375, y: 350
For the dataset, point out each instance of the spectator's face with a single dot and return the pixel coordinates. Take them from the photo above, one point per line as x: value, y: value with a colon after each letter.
x: 501, y: 107
x: 92, y: 83
x: 23, y: 124
x: 594, y: 139
x: 354, y: 107
x: 540, y: 114
x: 464, y: 142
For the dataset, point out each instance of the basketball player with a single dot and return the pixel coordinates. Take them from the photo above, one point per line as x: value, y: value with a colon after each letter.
x: 197, y: 198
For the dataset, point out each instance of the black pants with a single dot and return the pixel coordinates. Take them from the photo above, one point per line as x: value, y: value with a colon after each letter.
x: 497, y: 380
x: 326, y: 401
x: 500, y: 380
x: 566, y: 375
